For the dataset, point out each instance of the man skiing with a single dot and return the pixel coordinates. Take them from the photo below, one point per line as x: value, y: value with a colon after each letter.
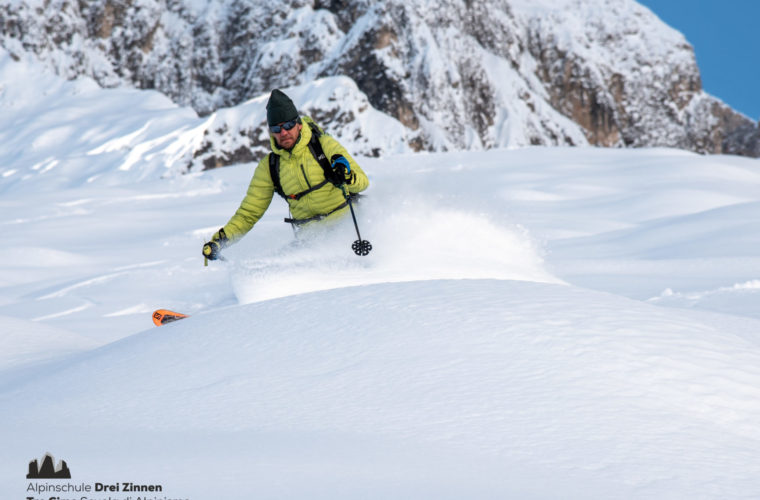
x: 307, y: 167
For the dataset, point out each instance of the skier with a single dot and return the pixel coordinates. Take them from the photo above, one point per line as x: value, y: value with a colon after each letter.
x: 307, y: 167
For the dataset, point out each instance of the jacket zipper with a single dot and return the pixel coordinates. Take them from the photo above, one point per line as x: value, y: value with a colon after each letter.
x: 304, y: 176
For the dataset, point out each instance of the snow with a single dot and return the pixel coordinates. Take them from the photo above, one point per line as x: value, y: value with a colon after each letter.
x: 531, y: 323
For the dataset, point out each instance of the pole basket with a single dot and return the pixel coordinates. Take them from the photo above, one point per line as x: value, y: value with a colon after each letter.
x: 361, y: 247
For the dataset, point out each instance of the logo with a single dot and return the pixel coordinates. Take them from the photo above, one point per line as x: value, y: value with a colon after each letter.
x: 48, y: 470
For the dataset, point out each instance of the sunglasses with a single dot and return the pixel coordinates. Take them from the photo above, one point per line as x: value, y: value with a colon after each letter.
x: 276, y: 129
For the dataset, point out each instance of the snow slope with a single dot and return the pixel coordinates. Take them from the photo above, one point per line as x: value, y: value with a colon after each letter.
x: 460, y: 389
x: 532, y: 323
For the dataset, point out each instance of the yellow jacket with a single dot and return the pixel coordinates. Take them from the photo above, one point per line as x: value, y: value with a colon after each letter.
x: 299, y: 171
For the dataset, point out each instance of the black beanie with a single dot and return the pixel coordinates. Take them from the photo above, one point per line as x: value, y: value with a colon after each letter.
x: 280, y: 108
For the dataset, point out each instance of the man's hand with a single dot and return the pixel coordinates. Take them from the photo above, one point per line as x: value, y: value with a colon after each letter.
x: 341, y: 171
x: 213, y: 249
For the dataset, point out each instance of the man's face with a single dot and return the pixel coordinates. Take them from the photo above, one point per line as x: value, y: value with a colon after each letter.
x: 286, y: 139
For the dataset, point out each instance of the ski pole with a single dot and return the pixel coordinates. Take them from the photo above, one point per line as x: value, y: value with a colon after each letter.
x: 360, y: 246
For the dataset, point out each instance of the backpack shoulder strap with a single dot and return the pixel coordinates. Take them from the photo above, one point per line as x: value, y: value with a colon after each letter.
x: 315, y: 146
x: 274, y: 172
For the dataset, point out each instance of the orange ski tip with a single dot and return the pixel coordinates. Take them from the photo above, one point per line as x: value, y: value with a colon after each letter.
x: 164, y: 316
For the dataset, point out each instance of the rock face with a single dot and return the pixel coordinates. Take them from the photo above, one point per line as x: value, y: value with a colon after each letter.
x: 458, y: 74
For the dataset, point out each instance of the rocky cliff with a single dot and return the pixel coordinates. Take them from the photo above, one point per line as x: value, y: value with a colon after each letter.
x: 457, y: 74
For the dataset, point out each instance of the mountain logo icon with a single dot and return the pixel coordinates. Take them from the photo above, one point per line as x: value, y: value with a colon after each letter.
x: 48, y: 470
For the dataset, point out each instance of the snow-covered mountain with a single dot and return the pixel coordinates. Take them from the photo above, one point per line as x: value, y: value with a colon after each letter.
x: 454, y: 74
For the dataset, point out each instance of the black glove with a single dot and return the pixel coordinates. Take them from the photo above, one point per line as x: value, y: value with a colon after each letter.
x: 213, y: 249
x: 341, y: 171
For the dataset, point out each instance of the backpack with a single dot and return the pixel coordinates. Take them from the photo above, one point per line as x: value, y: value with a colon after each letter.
x: 316, y: 151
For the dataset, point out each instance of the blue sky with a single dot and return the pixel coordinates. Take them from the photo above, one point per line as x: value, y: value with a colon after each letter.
x: 725, y: 35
